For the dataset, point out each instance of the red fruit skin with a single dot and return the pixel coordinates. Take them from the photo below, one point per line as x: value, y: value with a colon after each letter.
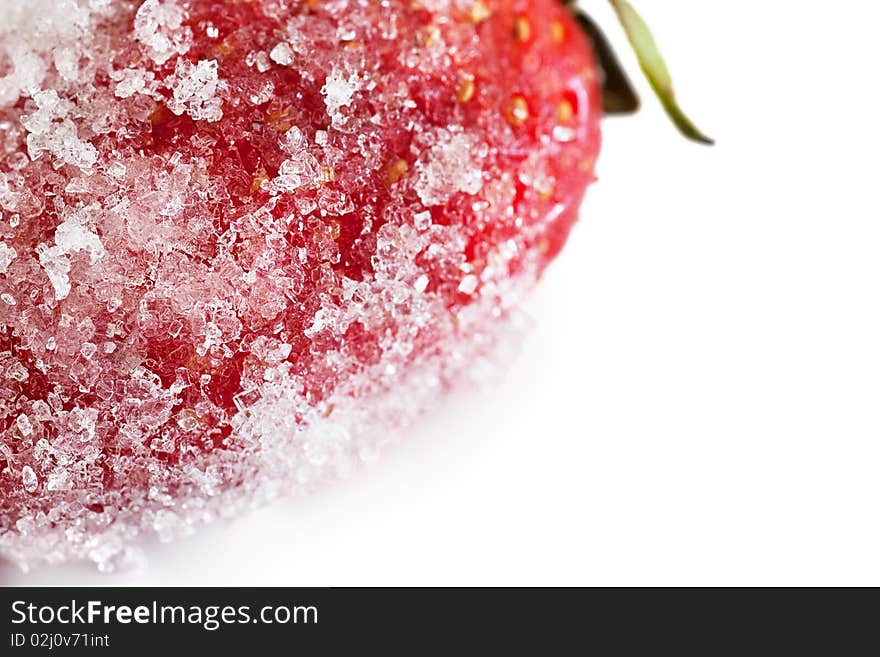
x: 232, y: 253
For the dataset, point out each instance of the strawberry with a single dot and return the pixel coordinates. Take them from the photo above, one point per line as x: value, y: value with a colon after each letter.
x: 243, y: 240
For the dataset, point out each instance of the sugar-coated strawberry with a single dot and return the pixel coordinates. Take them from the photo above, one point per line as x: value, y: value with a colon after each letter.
x: 242, y: 241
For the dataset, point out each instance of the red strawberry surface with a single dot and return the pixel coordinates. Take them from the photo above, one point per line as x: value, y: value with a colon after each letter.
x: 242, y: 241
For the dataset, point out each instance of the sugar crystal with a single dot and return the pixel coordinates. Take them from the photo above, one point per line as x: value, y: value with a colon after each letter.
x: 29, y: 479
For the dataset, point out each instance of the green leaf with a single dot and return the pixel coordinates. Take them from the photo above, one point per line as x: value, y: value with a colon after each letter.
x: 655, y: 69
x: 618, y: 94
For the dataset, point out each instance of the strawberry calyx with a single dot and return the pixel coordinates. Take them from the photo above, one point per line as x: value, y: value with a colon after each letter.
x: 618, y: 94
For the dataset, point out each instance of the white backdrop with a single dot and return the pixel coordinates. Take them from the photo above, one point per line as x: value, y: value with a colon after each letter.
x: 700, y: 400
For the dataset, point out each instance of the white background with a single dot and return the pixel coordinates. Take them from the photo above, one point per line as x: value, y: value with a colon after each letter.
x: 700, y: 401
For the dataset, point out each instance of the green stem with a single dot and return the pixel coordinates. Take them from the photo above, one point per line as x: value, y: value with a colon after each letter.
x: 618, y: 94
x: 654, y: 67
